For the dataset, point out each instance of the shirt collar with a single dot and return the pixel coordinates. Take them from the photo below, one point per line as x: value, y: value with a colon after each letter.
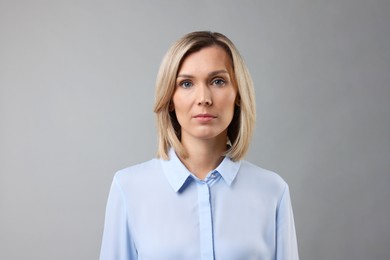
x: 177, y: 174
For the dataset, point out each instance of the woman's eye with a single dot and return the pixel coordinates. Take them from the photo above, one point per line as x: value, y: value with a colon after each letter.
x: 185, y: 84
x: 218, y: 82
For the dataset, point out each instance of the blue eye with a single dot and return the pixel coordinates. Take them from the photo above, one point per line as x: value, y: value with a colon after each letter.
x: 186, y: 84
x: 219, y: 82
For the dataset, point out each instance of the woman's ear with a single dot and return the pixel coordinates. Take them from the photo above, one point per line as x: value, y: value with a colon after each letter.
x: 238, y: 101
x: 171, y: 107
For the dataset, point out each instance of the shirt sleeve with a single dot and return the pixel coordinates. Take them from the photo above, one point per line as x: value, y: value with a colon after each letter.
x: 286, y: 241
x: 117, y: 242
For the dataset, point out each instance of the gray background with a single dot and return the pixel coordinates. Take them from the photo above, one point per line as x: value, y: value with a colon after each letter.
x: 76, y: 95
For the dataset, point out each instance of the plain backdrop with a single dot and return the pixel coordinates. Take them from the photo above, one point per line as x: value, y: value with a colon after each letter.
x: 76, y: 95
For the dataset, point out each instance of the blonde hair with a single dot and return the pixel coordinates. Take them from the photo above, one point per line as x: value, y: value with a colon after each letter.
x: 240, y: 129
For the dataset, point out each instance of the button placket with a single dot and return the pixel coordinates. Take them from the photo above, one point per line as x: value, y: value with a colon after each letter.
x: 205, y: 221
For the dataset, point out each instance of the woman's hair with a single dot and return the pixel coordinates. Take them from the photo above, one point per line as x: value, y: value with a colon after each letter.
x: 240, y: 129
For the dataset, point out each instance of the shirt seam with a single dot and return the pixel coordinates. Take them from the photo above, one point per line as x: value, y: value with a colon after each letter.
x: 281, y: 197
x: 123, y: 197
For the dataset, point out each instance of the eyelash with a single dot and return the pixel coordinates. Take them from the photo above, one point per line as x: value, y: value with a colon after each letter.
x: 221, y: 82
x: 181, y: 84
x: 216, y: 82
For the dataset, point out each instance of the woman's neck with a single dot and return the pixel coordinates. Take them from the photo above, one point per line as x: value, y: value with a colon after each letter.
x: 203, y: 155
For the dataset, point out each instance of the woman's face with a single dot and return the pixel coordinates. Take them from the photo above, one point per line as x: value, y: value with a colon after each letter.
x: 204, y: 95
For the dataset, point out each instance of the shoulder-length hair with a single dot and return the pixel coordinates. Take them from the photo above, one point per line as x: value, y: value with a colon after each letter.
x: 240, y: 129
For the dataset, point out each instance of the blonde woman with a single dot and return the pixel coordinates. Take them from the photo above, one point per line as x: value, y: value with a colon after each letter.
x: 199, y: 199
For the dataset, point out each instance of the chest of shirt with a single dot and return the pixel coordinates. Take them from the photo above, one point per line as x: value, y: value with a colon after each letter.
x: 168, y: 225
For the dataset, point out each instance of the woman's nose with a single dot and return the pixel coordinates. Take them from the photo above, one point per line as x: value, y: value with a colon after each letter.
x: 204, y: 96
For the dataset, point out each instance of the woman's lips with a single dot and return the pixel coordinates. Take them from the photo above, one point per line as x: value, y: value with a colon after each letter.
x: 204, y: 117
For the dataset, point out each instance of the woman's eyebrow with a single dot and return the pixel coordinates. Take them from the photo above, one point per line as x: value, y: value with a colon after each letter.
x: 184, y: 76
x: 213, y: 73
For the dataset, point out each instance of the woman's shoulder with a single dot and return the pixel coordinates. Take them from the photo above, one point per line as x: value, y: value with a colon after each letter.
x: 261, y: 176
x: 140, y: 170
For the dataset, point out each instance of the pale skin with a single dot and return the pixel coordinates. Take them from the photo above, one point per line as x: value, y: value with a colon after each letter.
x: 203, y: 101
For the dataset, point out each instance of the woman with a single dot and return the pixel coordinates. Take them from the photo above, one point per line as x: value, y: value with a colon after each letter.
x: 199, y: 199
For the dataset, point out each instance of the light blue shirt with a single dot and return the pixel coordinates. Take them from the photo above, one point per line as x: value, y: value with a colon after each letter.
x: 159, y: 210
